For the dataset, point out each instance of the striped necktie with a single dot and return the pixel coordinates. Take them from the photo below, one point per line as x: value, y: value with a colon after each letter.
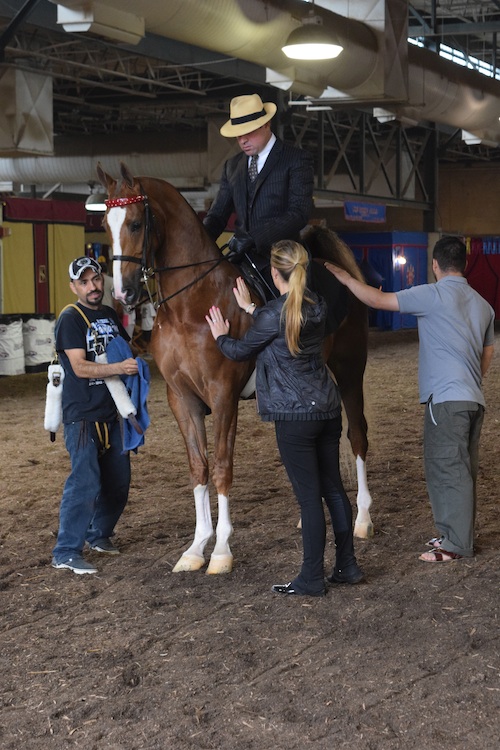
x: 252, y: 169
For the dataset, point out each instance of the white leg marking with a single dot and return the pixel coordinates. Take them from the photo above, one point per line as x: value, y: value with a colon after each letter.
x: 363, y: 528
x: 192, y: 558
x: 221, y: 560
x: 115, y: 219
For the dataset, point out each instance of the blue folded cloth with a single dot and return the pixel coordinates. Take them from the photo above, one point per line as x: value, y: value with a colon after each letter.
x: 138, y: 387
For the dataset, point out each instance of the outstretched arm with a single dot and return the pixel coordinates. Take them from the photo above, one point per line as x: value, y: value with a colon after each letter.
x: 368, y: 294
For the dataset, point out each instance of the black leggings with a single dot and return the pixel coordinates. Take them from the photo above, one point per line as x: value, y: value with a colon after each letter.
x: 310, y: 453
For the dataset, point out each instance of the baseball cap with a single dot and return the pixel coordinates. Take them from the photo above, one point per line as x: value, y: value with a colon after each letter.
x: 78, y: 266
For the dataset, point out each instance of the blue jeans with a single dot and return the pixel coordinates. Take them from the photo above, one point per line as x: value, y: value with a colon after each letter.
x: 96, y: 491
x: 310, y: 453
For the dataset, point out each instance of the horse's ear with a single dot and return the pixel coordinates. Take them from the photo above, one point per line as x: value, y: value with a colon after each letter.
x: 105, y: 179
x: 127, y: 175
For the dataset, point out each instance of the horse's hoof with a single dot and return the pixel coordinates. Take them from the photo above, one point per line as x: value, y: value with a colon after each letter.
x: 363, y: 530
x: 188, y: 562
x: 220, y: 564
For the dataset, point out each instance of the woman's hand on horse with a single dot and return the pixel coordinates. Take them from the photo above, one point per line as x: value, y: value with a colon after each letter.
x: 218, y: 326
x: 242, y: 294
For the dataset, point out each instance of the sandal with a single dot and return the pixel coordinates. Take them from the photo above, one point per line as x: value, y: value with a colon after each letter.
x: 436, y: 541
x: 440, y: 555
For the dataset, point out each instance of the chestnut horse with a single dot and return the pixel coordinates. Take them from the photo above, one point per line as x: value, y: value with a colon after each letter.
x: 154, y: 231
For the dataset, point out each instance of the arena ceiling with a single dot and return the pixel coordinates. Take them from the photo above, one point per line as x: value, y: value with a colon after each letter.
x: 162, y: 90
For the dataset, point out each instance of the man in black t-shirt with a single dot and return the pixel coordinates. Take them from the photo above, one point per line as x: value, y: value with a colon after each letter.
x: 96, y: 490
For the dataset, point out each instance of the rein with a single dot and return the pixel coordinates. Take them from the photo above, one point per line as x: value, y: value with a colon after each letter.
x: 143, y: 261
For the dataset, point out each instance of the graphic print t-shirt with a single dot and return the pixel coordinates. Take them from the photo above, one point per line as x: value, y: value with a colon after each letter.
x: 86, y: 398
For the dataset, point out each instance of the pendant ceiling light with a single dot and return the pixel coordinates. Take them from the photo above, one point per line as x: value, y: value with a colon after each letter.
x: 95, y: 202
x: 311, y: 41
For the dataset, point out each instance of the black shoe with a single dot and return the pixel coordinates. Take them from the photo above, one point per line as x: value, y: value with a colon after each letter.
x: 352, y: 574
x: 287, y: 588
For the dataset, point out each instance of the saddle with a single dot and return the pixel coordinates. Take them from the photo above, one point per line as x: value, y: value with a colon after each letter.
x: 319, y: 280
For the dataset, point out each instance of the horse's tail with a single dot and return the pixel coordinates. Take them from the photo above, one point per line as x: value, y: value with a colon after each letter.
x: 325, y: 244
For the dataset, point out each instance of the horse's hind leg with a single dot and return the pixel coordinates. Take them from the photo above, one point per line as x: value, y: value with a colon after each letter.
x: 348, y: 360
x: 356, y: 432
x: 363, y: 526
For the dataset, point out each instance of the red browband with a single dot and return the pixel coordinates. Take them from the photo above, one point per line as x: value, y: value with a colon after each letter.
x: 114, y: 202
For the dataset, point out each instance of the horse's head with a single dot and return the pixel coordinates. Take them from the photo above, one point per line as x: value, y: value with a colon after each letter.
x: 127, y: 221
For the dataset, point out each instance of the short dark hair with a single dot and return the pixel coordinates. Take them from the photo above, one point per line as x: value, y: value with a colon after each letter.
x: 450, y: 254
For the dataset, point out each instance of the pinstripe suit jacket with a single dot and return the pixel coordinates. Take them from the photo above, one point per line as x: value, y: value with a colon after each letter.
x: 282, y: 201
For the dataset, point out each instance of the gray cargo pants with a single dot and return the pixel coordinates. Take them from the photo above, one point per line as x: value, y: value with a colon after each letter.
x: 451, y: 458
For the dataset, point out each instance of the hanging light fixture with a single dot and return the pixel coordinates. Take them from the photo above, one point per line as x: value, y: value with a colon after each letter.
x: 95, y: 202
x: 311, y: 41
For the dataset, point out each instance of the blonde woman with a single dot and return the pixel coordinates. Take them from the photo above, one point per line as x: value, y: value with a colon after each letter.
x: 296, y: 392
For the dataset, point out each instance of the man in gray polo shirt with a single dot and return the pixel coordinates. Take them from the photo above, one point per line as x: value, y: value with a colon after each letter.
x: 456, y: 334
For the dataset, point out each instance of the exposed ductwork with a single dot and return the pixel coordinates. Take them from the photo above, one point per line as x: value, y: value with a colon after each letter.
x: 186, y: 168
x: 377, y: 66
x: 443, y: 92
x: 377, y: 63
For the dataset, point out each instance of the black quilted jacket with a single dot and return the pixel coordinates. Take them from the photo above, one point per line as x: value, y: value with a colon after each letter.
x: 288, y: 387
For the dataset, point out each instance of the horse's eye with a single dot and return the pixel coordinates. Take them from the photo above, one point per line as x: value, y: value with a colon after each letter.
x: 135, y: 226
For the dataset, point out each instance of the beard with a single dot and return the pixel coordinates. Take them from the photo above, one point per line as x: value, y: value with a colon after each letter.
x: 94, y: 299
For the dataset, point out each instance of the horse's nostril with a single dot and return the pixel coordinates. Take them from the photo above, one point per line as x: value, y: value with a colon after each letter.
x: 130, y: 296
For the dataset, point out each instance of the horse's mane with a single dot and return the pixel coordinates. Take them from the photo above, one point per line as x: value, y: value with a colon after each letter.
x: 325, y: 244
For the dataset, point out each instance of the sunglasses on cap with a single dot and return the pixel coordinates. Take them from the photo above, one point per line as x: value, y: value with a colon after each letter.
x: 78, y: 266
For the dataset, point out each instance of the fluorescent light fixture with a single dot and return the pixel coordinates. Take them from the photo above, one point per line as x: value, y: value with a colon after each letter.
x: 98, y: 19
x: 383, y: 115
x: 95, y: 202
x: 278, y: 80
x: 311, y: 41
x: 471, y: 139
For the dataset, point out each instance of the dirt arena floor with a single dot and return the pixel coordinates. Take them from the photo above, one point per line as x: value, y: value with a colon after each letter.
x: 137, y: 657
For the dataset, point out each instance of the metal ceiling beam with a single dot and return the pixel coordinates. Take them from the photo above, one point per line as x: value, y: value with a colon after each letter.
x: 14, y: 24
x: 153, y: 46
x: 102, y: 72
x: 453, y: 29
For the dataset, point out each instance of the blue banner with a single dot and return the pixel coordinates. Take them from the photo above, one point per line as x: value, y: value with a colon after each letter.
x: 370, y: 212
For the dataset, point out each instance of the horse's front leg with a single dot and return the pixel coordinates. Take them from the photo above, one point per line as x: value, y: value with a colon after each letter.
x: 193, y: 558
x: 225, y: 420
x: 221, y: 559
x: 190, y: 416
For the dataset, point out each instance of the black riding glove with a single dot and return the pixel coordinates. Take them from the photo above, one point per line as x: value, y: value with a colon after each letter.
x: 239, y: 244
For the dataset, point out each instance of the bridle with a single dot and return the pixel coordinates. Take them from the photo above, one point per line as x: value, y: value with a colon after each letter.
x: 148, y: 271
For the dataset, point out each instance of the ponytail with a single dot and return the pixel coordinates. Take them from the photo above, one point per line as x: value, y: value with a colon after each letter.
x: 290, y: 259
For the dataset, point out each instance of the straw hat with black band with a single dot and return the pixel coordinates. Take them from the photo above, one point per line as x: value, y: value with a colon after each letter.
x: 246, y: 114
